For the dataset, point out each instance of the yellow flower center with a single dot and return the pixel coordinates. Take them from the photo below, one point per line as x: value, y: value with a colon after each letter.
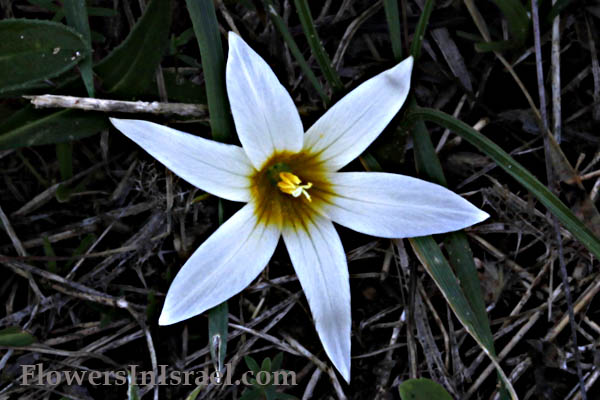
x: 291, y: 184
x: 289, y: 188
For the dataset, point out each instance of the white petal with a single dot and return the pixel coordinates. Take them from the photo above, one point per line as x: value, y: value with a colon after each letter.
x: 320, y: 262
x: 398, y: 206
x: 354, y: 122
x: 265, y: 116
x: 221, y: 267
x: 217, y: 168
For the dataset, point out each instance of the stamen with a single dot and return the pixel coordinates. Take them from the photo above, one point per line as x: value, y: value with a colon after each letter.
x: 290, y: 184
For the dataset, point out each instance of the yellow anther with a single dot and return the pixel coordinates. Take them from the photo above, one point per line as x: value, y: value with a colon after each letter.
x: 290, y: 184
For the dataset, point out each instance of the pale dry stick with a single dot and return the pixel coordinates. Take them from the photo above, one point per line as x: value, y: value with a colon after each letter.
x: 555, y: 71
x: 104, y: 105
x: 269, y: 338
x: 594, y: 326
x: 250, y: 342
x: 320, y: 364
x: 351, y: 31
x: 45, y: 304
x: 18, y: 245
x: 89, y: 224
x: 528, y: 278
x: 310, y: 386
x: 590, y: 175
x: 384, y: 377
x: 513, y: 342
x: 4, y: 153
x: 38, y: 348
x: 595, y: 69
x: 151, y: 350
x: 593, y: 377
x: 529, y: 291
x: 50, y: 193
x: 455, y: 114
x: 479, y: 22
x: 438, y: 320
x: 387, y: 261
x: 89, y: 251
x: 234, y: 334
x: 573, y: 83
x: 87, y: 329
x: 582, y: 302
x: 474, y: 335
x: 225, y: 12
x: 340, y: 13
x: 81, y: 290
x: 551, y: 184
x: 595, y: 190
x: 411, y: 344
x: 431, y: 352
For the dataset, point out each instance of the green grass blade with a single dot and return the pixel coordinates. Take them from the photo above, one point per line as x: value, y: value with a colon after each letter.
x: 287, y: 37
x: 316, y: 45
x: 77, y: 18
x: 415, y: 47
x: 459, y: 251
x: 516, y: 15
x: 206, y: 27
x: 392, y: 15
x: 64, y: 155
x: 129, y: 69
x: 29, y: 127
x: 218, y: 318
x: 517, y: 171
x: 435, y: 263
x: 557, y: 8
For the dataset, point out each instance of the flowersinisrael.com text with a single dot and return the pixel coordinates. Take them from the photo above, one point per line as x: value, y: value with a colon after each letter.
x: 36, y: 375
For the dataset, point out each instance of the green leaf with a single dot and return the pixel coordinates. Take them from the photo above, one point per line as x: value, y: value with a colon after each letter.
x: 15, y: 337
x: 422, y: 389
x: 206, y: 27
x: 516, y: 15
x: 557, y: 8
x: 393, y: 21
x: 266, y: 365
x: 499, y: 46
x: 77, y: 17
x: 437, y: 267
x: 130, y: 67
x: 252, y: 394
x: 252, y: 364
x: 459, y: 252
x: 194, y: 394
x: 289, y: 40
x: 85, y: 244
x: 31, y: 51
x: 316, y: 46
x: 217, y: 333
x: 517, y: 171
x: 415, y: 47
x: 277, y: 360
x: 64, y: 155
x: 29, y: 127
x: 49, y: 252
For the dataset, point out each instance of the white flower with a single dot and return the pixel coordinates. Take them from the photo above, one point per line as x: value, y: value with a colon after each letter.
x: 290, y: 183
